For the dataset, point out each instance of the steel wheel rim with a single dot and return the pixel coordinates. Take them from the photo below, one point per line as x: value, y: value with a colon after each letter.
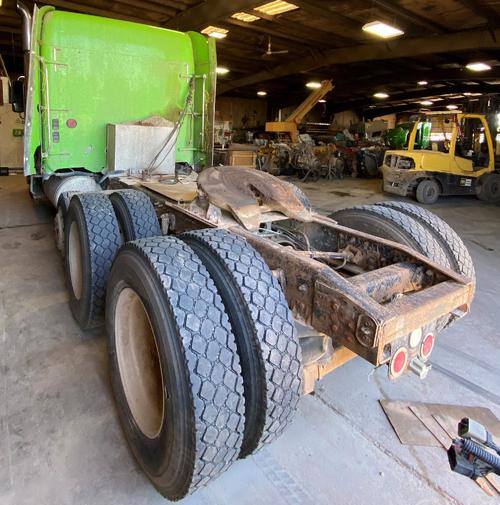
x: 75, y: 260
x: 139, y: 363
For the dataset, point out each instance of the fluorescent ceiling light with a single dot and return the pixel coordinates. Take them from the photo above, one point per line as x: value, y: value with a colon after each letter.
x: 243, y: 16
x: 478, y: 66
x: 262, y: 93
x: 452, y: 107
x: 222, y: 70
x: 215, y: 32
x: 313, y: 85
x: 380, y: 94
x: 422, y: 83
x: 382, y: 29
x: 322, y: 101
x: 278, y: 7
x: 426, y: 102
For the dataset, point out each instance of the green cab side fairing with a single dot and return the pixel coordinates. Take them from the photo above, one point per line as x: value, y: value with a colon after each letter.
x: 88, y: 71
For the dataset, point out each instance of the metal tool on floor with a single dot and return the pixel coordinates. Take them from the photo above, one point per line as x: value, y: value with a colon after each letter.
x: 473, y: 453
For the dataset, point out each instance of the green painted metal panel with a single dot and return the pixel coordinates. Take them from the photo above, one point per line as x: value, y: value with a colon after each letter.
x: 97, y: 71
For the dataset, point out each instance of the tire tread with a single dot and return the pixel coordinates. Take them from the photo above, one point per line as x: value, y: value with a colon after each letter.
x: 140, y: 213
x: 274, y: 333
x: 211, y: 358
x: 457, y: 252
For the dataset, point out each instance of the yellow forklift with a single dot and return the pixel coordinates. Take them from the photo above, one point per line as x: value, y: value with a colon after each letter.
x: 459, y: 159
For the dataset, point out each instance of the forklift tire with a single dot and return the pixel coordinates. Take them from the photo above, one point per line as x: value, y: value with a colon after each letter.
x: 393, y: 225
x: 136, y: 214
x: 428, y: 191
x: 91, y: 241
x: 489, y: 188
x: 456, y: 251
x: 174, y: 365
x: 265, y: 333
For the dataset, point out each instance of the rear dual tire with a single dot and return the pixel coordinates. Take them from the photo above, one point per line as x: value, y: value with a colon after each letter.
x: 91, y: 241
x: 231, y: 382
x: 264, y: 329
x: 190, y: 351
x: 391, y: 224
x: 95, y: 225
x: 453, y: 246
x: 135, y: 214
x: 414, y: 227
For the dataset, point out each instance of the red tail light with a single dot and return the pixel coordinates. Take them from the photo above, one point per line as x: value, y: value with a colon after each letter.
x: 399, y: 362
x: 427, y: 346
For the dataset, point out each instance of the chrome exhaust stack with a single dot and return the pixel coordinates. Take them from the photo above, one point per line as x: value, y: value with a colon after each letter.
x: 26, y: 32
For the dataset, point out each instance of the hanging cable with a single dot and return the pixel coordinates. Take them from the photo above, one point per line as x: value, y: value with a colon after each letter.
x: 154, y: 164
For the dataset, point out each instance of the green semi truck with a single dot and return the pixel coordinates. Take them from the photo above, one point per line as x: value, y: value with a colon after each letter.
x: 225, y: 296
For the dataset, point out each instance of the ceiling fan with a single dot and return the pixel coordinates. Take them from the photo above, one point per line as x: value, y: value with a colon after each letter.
x: 270, y: 52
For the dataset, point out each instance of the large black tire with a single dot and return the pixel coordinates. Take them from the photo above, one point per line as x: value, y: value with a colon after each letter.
x: 136, y: 214
x: 265, y: 333
x: 91, y: 241
x: 304, y: 199
x: 428, y: 191
x: 489, y: 188
x: 59, y: 223
x: 393, y: 225
x: 185, y: 425
x: 456, y: 251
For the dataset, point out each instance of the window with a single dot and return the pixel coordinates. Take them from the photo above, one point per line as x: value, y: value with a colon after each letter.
x: 471, y: 142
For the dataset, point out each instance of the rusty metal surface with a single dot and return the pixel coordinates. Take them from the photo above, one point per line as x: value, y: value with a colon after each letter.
x: 387, y: 282
x: 249, y: 193
x: 315, y: 371
x: 336, y: 306
x: 371, y: 313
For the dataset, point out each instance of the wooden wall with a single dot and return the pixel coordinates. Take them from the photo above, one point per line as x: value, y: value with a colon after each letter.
x: 242, y: 112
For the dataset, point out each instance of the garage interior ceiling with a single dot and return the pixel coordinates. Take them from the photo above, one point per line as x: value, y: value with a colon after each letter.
x: 322, y: 40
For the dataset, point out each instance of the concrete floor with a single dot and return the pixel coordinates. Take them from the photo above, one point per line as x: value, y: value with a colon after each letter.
x: 60, y: 442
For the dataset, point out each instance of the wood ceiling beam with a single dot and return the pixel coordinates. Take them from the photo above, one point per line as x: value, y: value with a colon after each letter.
x: 208, y: 12
x: 400, y: 12
x: 427, y: 93
x: 178, y: 5
x: 10, y: 29
x: 320, y: 35
x: 150, y: 7
x: 299, y: 35
x: 86, y: 9
x: 318, y: 8
x: 382, y: 111
x: 283, y: 42
x: 8, y: 13
x: 368, y: 81
x: 483, y: 10
x: 453, y: 42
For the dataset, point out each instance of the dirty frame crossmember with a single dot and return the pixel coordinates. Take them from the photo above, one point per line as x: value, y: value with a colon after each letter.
x: 366, y: 312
